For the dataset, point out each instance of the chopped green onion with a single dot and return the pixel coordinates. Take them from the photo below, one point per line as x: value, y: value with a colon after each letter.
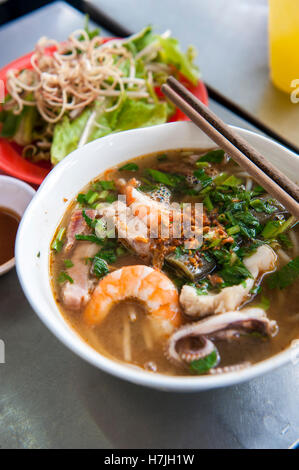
x: 218, y: 180
x: 233, y: 230
x: 107, y: 184
x: 58, y: 242
x: 232, y: 181
x: 68, y: 263
x: 103, y: 194
x: 89, y: 238
x: 163, y: 178
x: 208, y: 203
x: 200, y: 164
x: 100, y: 267
x: 90, y: 222
x: 63, y: 277
x: 91, y: 197
x: 204, y: 179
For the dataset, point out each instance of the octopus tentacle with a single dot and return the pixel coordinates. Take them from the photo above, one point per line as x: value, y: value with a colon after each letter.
x: 195, y: 340
x: 233, y: 368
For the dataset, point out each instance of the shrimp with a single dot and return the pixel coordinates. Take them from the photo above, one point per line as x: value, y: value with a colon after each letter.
x: 147, y: 285
x: 153, y: 213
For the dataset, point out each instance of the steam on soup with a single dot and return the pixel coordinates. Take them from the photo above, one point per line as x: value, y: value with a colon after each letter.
x: 141, y: 290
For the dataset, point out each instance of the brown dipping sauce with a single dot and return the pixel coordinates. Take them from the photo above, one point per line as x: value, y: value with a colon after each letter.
x: 9, y: 222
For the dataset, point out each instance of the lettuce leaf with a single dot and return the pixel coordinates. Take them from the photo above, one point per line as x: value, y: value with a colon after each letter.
x: 130, y: 115
x: 139, y: 41
x: 171, y: 53
x: 67, y: 135
x: 137, y: 113
x: 10, y: 123
x: 24, y: 132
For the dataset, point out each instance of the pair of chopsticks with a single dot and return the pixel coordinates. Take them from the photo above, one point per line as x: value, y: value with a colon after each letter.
x: 262, y: 171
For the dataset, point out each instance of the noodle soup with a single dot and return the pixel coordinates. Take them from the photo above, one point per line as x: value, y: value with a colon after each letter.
x: 219, y: 299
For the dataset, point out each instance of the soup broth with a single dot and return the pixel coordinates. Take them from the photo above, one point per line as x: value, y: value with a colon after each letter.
x: 152, y: 303
x: 9, y: 222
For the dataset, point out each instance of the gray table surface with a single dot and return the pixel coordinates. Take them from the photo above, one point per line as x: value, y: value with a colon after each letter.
x: 50, y: 398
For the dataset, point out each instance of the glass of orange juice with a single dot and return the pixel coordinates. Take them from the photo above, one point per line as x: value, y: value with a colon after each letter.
x: 284, y: 42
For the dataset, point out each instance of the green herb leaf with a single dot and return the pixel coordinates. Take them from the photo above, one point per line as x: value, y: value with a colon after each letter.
x: 57, y: 244
x: 108, y: 255
x: 262, y: 206
x: 129, y: 167
x: 204, y: 179
x: 285, y: 276
x: 90, y: 222
x: 100, y: 267
x: 89, y: 238
x: 235, y: 274
x: 214, y: 156
x: 63, y: 277
x: 164, y: 178
x: 202, y: 366
x: 107, y: 185
x: 232, y: 181
x: 68, y: 263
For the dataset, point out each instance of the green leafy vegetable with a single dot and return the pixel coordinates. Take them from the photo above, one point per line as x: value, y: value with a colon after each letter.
x: 68, y: 263
x: 214, y: 156
x: 67, y: 135
x: 164, y: 178
x: 204, y: 179
x: 262, y: 206
x: 170, y: 53
x: 90, y: 222
x: 235, y: 274
x: 57, y: 244
x: 108, y: 255
x: 89, y: 238
x: 100, y: 267
x: 202, y: 366
x: 273, y: 228
x: 63, y: 277
x: 284, y: 240
x: 10, y: 124
x: 106, y: 185
x: 285, y: 276
x: 232, y: 181
x: 91, y: 33
x: 129, y: 167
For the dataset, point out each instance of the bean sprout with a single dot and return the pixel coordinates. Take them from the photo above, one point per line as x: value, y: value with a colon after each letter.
x: 77, y: 73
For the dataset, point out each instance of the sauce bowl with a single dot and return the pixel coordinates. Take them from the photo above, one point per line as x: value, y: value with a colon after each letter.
x: 15, y: 195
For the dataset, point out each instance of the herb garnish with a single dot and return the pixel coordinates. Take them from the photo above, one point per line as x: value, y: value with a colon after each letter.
x: 202, y: 366
x: 63, y: 277
x: 285, y: 276
x: 129, y: 167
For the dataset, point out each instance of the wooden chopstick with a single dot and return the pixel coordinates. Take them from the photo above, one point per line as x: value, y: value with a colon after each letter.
x: 269, y: 177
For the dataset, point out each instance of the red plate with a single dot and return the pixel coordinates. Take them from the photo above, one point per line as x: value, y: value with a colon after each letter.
x: 11, y: 160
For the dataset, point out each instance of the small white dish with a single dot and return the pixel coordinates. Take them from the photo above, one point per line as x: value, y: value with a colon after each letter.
x: 14, y: 195
x: 46, y: 210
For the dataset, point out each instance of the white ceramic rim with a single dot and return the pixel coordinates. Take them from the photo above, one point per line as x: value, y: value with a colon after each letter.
x: 157, y: 381
x: 4, y: 268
